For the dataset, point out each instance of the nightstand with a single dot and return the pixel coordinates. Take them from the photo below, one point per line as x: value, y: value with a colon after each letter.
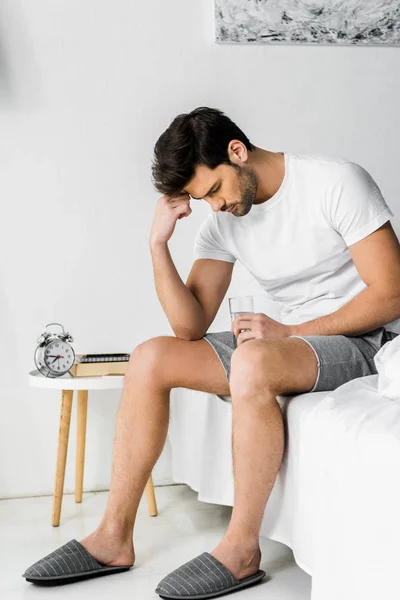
x: 67, y: 384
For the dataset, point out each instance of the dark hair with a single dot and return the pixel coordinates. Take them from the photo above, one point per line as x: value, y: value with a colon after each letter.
x: 199, y: 137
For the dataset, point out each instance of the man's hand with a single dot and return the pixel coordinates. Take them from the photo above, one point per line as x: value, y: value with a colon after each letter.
x: 261, y: 328
x: 168, y: 210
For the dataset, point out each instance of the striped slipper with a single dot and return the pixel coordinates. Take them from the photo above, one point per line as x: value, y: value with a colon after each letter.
x: 69, y: 563
x: 203, y: 577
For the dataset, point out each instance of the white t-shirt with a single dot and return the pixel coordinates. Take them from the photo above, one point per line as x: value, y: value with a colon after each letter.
x: 296, y: 243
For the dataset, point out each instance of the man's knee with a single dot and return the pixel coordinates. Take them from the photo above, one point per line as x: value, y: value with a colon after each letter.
x: 147, y: 357
x: 256, y: 365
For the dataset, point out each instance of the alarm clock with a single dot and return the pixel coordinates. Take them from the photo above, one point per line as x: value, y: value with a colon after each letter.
x: 54, y: 356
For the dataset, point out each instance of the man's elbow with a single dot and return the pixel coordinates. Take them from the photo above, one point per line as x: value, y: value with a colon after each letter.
x: 188, y: 335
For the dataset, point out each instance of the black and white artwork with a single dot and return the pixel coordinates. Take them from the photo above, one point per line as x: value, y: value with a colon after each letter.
x: 358, y: 22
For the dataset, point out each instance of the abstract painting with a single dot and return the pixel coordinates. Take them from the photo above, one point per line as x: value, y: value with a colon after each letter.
x: 357, y: 22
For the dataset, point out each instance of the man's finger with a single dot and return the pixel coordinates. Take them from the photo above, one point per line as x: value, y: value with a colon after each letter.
x: 244, y: 315
x: 179, y: 198
x: 241, y: 324
x: 244, y: 336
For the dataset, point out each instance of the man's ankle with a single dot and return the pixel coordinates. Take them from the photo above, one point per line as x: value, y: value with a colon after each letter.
x: 120, y: 530
x: 243, y: 540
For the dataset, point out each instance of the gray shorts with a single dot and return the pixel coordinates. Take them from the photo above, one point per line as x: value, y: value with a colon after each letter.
x: 340, y: 357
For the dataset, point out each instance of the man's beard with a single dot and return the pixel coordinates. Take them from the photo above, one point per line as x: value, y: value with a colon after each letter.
x: 248, y: 183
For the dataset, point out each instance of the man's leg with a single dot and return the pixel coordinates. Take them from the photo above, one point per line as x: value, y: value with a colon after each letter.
x: 260, y: 371
x: 155, y: 367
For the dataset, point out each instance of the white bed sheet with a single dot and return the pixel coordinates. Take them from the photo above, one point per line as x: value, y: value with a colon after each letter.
x: 336, y: 499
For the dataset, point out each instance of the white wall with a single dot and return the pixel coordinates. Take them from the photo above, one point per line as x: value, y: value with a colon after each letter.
x: 86, y: 89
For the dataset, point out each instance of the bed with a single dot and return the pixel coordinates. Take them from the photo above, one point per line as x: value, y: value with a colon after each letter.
x: 336, y: 499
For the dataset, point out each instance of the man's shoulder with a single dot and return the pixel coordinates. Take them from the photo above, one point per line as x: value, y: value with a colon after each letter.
x: 320, y: 159
x: 330, y: 168
x: 212, y: 224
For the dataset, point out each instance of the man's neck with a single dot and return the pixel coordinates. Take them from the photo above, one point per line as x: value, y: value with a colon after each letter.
x: 270, y: 170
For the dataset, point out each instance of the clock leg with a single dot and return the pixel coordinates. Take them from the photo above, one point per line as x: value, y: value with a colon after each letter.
x: 80, y: 442
x: 65, y: 419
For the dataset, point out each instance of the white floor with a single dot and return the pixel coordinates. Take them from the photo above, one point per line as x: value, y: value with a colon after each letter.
x: 183, y: 528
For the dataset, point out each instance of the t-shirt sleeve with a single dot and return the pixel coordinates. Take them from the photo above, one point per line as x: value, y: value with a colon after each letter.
x: 354, y: 204
x: 208, y: 242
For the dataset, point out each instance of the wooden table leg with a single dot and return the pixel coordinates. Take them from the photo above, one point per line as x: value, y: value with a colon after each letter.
x: 80, y: 442
x: 151, y: 498
x: 65, y: 420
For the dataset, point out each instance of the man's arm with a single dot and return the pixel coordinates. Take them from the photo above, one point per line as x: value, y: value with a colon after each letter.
x: 377, y: 259
x: 183, y: 311
x: 190, y: 308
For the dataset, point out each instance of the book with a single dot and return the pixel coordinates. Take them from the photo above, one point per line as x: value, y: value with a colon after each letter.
x: 95, y: 358
x: 97, y: 365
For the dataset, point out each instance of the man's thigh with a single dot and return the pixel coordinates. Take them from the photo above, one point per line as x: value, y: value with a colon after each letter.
x: 337, y: 358
x: 343, y: 358
x: 174, y: 362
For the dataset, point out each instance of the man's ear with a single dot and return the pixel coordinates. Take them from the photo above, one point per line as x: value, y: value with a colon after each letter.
x: 237, y: 152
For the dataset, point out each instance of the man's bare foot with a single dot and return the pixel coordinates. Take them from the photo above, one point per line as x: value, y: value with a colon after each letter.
x: 109, y: 549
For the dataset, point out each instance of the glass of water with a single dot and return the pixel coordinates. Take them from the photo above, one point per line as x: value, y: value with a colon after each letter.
x: 240, y: 305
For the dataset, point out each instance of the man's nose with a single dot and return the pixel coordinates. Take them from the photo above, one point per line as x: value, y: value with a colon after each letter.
x: 217, y: 205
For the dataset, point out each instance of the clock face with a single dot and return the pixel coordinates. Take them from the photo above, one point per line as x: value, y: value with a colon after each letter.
x: 59, y: 357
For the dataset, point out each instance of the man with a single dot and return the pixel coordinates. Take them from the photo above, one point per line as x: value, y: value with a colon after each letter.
x: 315, y: 233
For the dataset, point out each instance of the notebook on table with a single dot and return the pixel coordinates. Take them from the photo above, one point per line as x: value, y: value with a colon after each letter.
x: 96, y: 365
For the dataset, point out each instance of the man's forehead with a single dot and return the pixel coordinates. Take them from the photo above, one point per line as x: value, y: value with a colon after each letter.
x: 202, y: 181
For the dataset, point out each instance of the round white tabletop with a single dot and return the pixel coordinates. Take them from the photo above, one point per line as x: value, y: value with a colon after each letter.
x: 68, y: 382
